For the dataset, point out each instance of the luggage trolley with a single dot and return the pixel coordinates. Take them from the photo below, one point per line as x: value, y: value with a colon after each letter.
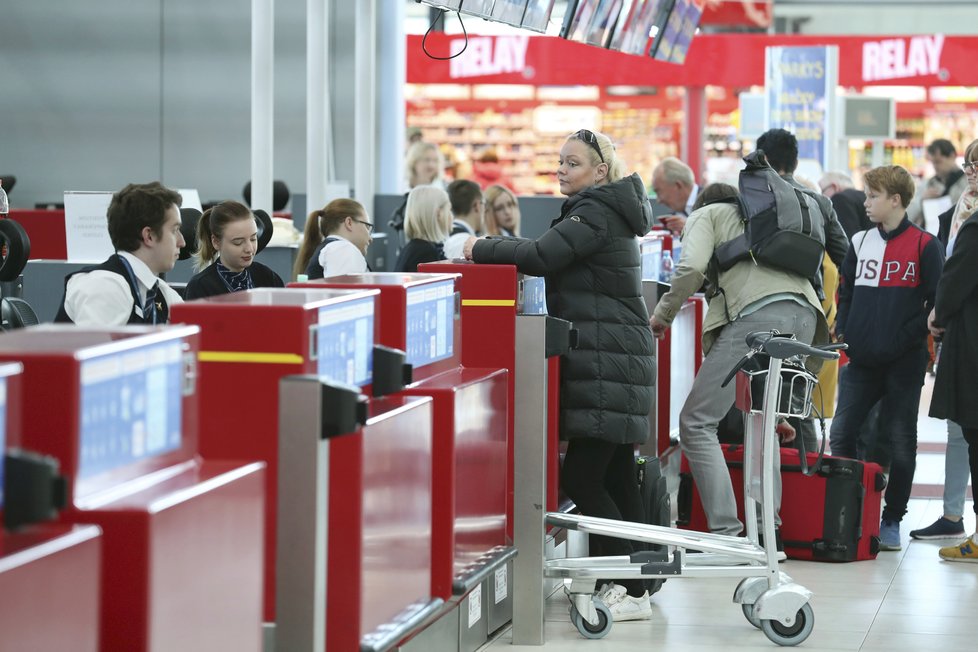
x: 770, y: 599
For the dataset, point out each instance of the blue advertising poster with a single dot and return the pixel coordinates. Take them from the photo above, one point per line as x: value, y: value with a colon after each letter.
x: 430, y: 323
x: 346, y: 342
x: 800, y: 90
x: 131, y: 407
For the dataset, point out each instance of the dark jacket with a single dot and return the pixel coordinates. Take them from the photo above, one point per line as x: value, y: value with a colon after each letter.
x: 836, y: 241
x: 850, y: 208
x: 957, y: 312
x: 416, y: 252
x: 590, y: 259
x: 208, y: 283
x: 886, y: 291
x: 944, y: 226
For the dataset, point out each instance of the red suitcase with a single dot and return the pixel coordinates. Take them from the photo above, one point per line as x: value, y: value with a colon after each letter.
x: 833, y: 515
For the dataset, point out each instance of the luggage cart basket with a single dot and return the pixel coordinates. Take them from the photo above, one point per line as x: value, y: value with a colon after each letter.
x: 769, y: 598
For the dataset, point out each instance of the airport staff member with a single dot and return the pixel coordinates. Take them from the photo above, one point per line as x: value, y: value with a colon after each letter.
x: 144, y: 226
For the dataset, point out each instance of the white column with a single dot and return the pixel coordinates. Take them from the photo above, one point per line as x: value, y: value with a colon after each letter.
x: 318, y: 133
x: 365, y: 106
x: 262, y: 101
x: 391, y: 118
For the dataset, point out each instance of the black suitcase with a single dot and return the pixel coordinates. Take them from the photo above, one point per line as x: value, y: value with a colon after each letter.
x: 655, y: 501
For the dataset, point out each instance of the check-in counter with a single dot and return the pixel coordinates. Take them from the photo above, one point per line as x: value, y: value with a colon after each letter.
x: 420, y: 315
x: 248, y: 342
x: 181, y: 564
x: 49, y: 572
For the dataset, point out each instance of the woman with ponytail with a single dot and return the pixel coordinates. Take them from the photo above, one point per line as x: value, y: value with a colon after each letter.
x: 227, y: 238
x: 335, y: 241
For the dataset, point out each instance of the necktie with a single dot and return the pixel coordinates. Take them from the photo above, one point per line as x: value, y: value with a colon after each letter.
x: 149, y: 306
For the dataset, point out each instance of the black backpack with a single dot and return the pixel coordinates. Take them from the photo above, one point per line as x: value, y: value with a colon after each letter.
x: 783, y: 225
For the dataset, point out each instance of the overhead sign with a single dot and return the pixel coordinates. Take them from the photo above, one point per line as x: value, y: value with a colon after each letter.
x: 801, y: 97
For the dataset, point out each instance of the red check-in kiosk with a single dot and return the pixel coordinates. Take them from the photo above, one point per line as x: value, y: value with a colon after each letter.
x: 248, y: 342
x: 469, y: 545
x: 182, y: 538
x: 376, y: 518
x: 49, y: 572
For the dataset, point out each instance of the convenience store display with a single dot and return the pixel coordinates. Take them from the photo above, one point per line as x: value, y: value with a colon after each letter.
x: 528, y: 143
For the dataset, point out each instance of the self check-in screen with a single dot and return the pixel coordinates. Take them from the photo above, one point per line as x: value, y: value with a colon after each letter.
x: 430, y: 327
x: 131, y: 407
x: 346, y: 342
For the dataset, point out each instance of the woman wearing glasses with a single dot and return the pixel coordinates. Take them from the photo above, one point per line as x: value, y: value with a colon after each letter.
x: 955, y: 320
x: 335, y: 241
x: 227, y: 237
x: 590, y: 259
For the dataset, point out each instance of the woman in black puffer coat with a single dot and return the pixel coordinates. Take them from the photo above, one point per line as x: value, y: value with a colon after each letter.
x: 590, y: 259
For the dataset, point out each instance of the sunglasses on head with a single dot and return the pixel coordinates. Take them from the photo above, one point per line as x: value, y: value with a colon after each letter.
x: 592, y: 140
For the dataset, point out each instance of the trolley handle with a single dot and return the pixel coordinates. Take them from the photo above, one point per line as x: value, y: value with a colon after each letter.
x: 782, y: 347
x: 740, y: 365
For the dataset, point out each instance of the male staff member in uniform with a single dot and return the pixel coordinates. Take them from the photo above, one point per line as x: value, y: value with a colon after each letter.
x: 144, y: 226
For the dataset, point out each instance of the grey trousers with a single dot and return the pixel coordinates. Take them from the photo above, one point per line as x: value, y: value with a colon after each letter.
x: 707, y: 403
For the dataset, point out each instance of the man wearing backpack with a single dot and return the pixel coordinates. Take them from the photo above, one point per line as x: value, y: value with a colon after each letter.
x: 754, y: 297
x: 781, y: 149
x: 887, y: 289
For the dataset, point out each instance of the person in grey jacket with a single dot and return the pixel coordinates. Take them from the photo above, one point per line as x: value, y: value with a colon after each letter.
x: 590, y: 259
x: 754, y: 297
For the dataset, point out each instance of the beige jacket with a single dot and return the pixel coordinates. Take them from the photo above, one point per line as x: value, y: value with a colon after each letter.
x: 743, y: 284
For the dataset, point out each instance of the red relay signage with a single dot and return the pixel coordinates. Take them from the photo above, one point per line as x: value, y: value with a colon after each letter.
x: 731, y: 60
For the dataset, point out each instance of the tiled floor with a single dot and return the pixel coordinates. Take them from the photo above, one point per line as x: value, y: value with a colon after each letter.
x: 902, y: 601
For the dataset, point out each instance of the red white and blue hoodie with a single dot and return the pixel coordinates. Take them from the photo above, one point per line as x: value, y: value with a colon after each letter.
x: 886, y: 291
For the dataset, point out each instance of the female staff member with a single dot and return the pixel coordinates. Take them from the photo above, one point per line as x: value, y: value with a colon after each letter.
x: 335, y: 241
x: 955, y: 320
x: 502, y: 211
x: 229, y: 233
x: 427, y: 223
x: 590, y: 259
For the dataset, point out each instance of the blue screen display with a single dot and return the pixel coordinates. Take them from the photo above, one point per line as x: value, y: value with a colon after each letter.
x: 651, y: 259
x: 534, y: 296
x: 131, y: 407
x: 3, y: 430
x: 430, y: 327
x: 346, y: 342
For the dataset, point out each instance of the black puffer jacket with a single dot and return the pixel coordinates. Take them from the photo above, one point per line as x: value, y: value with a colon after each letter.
x: 590, y: 259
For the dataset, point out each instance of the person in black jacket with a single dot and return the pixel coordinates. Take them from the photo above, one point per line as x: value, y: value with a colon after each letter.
x: 886, y: 290
x: 228, y: 233
x: 590, y: 260
x: 427, y: 222
x: 848, y: 202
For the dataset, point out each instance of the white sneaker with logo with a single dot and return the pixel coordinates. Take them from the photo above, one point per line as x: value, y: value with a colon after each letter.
x: 625, y: 607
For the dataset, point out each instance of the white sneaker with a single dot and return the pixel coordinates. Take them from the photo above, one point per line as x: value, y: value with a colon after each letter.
x: 612, y: 593
x: 631, y: 608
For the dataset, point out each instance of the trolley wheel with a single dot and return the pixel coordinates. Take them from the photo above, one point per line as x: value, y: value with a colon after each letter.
x: 749, y: 615
x: 794, y: 634
x: 587, y: 630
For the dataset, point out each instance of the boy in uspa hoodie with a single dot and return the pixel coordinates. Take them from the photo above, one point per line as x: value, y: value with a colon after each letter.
x: 887, y: 287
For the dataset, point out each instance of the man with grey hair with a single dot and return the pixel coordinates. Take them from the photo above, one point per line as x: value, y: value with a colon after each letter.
x: 848, y: 202
x: 675, y: 187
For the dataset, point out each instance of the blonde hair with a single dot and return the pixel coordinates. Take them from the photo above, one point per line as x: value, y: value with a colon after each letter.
x: 616, y: 167
x: 491, y: 194
x: 414, y: 154
x: 213, y: 222
x: 320, y: 224
x: 427, y: 214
